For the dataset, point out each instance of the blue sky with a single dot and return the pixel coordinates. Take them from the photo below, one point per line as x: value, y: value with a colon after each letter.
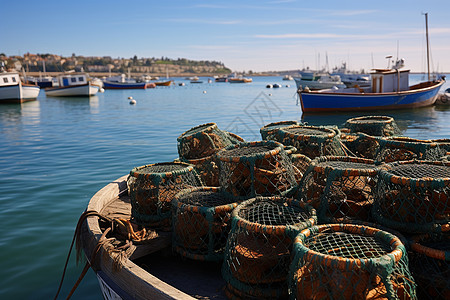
x: 244, y: 35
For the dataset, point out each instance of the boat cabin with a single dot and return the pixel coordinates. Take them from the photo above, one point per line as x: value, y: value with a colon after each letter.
x: 9, y: 79
x: 390, y: 80
x: 72, y: 79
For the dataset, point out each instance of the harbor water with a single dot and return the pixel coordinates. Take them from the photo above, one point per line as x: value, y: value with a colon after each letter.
x: 58, y: 152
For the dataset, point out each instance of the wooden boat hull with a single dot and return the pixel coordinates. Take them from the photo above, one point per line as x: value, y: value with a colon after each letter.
x: 18, y: 93
x: 72, y: 90
x: 322, y: 101
x: 163, y: 83
x: 108, y: 85
x: 131, y: 281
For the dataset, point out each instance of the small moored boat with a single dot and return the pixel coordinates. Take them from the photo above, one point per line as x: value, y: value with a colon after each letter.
x: 163, y: 83
x: 73, y: 84
x: 13, y: 90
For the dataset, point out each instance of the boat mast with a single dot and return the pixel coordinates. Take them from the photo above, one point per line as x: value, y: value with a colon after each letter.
x: 428, y: 45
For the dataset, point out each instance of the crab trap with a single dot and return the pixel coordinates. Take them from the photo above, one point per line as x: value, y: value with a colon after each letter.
x: 347, y: 261
x: 393, y: 149
x: 311, y: 141
x: 361, y: 145
x: 207, y: 168
x: 256, y: 168
x: 257, y: 254
x: 152, y: 188
x: 341, y: 188
x: 201, y: 222
x: 373, y: 125
x: 413, y: 196
x: 430, y: 265
x: 204, y: 140
x: 268, y: 129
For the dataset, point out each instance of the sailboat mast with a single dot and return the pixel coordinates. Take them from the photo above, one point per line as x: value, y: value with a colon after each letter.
x: 428, y: 46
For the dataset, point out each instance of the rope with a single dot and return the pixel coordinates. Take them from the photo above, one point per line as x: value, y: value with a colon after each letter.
x: 76, y: 236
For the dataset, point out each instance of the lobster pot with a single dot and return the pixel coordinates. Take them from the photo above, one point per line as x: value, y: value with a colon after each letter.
x: 346, y: 261
x: 268, y: 129
x: 201, y: 222
x: 413, y: 196
x: 256, y: 168
x: 404, y: 148
x: 300, y: 164
x: 430, y: 265
x: 152, y: 188
x: 340, y: 188
x: 207, y: 168
x: 311, y: 141
x: 361, y: 145
x: 443, y: 144
x: 373, y: 125
x: 257, y: 254
x: 204, y: 140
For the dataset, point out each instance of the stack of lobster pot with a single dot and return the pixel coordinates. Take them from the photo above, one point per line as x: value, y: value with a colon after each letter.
x: 199, y: 145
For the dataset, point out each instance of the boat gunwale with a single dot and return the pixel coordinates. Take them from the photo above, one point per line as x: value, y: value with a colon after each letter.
x: 136, y: 282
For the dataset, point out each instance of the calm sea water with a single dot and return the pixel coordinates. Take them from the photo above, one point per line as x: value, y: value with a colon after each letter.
x: 58, y: 152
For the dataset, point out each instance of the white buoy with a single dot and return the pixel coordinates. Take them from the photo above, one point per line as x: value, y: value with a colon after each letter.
x: 204, y: 92
x: 132, y: 102
x: 130, y: 97
x: 287, y: 85
x: 270, y: 94
x: 101, y: 90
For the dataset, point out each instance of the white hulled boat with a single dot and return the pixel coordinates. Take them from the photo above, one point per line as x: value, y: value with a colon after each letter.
x: 73, y: 84
x: 13, y: 90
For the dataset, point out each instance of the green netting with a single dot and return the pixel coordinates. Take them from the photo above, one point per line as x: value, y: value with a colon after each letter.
x: 257, y: 168
x: 204, y: 140
x: 311, y: 141
x: 269, y: 128
x: 152, y: 188
x: 443, y: 143
x: 341, y: 188
x: 207, y: 168
x: 413, y: 196
x: 403, y: 148
x: 373, y: 125
x: 257, y: 254
x: 201, y: 222
x: 430, y: 265
x: 347, y: 261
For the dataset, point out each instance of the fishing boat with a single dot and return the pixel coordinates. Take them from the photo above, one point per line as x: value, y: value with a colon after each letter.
x: 196, y: 80
x: 72, y: 84
x: 350, y: 78
x: 12, y: 89
x: 317, y: 80
x: 163, y: 83
x: 443, y: 98
x: 122, y: 82
x: 389, y: 90
x: 288, y: 77
x: 240, y: 79
x: 221, y: 79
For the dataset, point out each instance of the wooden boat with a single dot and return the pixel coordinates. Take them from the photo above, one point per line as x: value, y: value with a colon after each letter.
x: 112, y: 85
x: 240, y: 80
x: 72, y: 84
x: 13, y: 90
x: 130, y: 279
x: 389, y: 90
x: 163, y: 83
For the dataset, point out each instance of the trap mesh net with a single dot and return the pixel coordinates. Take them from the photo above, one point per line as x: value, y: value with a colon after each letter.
x: 201, y: 222
x: 257, y: 254
x: 311, y: 141
x: 256, y: 168
x: 347, y: 261
x: 413, y: 196
x: 404, y: 148
x: 341, y: 188
x: 270, y: 128
x: 373, y: 125
x: 430, y: 265
x: 300, y: 164
x: 207, y: 168
x: 361, y: 145
x: 152, y: 188
x: 204, y: 140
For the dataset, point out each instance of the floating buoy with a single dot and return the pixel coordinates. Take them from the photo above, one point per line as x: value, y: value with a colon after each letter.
x: 132, y: 102
x: 181, y: 84
x: 101, y: 90
x: 204, y: 92
x: 269, y: 86
x: 276, y: 85
x: 287, y: 85
x: 209, y: 80
x: 270, y: 94
x: 130, y: 97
